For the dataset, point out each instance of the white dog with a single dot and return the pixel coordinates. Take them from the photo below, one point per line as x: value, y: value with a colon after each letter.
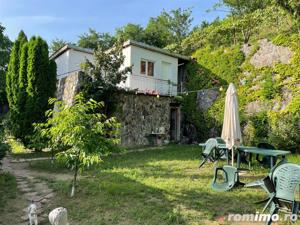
x: 59, y: 216
x: 32, y: 214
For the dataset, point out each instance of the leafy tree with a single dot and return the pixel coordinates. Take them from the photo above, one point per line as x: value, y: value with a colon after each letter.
x: 241, y: 7
x: 87, y: 135
x: 292, y: 6
x: 101, y: 77
x: 180, y: 23
x: 130, y: 31
x: 157, y: 31
x: 5, y: 47
x: 93, y: 39
x: 57, y: 44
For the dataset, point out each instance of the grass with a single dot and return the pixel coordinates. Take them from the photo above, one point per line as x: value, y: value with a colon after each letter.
x: 19, y: 151
x: 162, y: 186
x: 8, y: 189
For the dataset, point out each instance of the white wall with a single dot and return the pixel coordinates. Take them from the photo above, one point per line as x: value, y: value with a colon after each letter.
x: 70, y: 61
x: 138, y: 53
x: 165, y: 68
x: 159, y: 82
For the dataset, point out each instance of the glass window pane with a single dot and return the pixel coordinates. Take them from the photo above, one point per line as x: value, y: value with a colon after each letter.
x: 143, y: 67
x: 150, y: 68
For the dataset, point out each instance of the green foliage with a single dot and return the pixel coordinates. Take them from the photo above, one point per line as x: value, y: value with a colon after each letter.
x: 222, y: 63
x: 166, y: 30
x: 285, y: 131
x: 41, y: 83
x: 5, y: 47
x: 93, y: 39
x: 101, y: 77
x: 87, y: 133
x: 292, y: 6
x: 275, y: 88
x: 57, y: 44
x: 241, y: 7
x: 130, y: 32
x: 239, y: 29
x: 13, y: 72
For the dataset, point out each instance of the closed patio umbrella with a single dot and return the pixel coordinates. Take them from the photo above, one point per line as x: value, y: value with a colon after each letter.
x: 231, y: 132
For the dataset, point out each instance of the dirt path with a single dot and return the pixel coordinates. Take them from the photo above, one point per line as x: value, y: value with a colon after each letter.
x: 32, y: 188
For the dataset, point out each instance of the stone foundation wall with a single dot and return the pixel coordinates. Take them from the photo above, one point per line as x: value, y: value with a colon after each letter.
x: 140, y: 115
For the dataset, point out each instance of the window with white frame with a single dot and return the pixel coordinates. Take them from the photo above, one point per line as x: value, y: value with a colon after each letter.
x: 147, y: 67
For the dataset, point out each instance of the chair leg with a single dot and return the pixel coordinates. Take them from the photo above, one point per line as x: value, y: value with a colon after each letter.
x: 202, y: 163
x: 273, y: 210
x: 295, y: 210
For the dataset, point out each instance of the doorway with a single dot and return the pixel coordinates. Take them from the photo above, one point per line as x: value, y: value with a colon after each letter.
x: 175, y: 124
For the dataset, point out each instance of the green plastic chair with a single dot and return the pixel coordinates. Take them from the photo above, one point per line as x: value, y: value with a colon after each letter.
x: 230, y: 178
x: 211, y: 151
x: 281, y: 185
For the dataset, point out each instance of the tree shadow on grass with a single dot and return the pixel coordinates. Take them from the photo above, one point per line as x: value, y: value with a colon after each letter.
x: 113, y: 198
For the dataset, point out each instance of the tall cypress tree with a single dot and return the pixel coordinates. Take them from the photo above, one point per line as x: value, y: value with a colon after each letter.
x: 22, y: 95
x: 12, y: 78
x: 41, y: 82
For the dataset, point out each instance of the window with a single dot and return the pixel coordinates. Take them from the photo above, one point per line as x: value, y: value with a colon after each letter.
x: 150, y: 69
x: 147, y: 67
x: 143, y: 67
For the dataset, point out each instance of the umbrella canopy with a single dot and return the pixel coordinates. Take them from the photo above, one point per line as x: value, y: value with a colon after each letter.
x: 231, y: 132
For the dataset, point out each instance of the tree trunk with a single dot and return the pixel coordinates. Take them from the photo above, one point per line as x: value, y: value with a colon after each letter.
x: 75, y: 178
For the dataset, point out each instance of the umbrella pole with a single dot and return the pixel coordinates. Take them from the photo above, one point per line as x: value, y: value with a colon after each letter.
x: 232, y: 156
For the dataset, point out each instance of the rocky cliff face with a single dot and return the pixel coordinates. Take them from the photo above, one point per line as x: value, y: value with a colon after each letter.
x: 269, y: 54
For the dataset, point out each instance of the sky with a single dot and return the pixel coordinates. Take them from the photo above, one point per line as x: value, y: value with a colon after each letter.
x: 66, y: 19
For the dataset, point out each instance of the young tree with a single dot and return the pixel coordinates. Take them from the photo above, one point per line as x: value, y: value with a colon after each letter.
x: 86, y: 134
x: 93, y: 39
x: 5, y: 47
x: 101, y: 77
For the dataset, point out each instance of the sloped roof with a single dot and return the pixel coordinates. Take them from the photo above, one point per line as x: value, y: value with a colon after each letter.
x: 126, y: 44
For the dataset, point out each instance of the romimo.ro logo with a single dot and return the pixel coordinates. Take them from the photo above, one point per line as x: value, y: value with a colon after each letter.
x: 258, y: 217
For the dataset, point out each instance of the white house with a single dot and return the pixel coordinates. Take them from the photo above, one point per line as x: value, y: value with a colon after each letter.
x: 154, y: 71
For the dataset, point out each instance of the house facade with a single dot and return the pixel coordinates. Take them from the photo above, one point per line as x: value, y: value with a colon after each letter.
x: 156, y: 77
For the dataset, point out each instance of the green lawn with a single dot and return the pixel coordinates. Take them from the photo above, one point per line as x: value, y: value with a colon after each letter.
x: 152, y: 187
x: 8, y: 189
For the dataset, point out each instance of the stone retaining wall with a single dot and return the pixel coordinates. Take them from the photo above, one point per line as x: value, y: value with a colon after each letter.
x: 140, y: 115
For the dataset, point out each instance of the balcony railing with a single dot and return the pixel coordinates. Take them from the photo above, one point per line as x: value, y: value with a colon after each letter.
x: 148, y: 84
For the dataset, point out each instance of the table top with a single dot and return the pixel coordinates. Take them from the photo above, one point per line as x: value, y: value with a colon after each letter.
x: 255, y: 150
x: 262, y: 151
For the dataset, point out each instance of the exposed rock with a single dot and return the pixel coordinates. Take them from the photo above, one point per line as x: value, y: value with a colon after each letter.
x: 247, y: 49
x: 255, y: 107
x: 206, y: 98
x: 269, y: 54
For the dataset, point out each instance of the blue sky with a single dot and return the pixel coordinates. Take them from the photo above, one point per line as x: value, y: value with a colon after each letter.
x: 68, y: 19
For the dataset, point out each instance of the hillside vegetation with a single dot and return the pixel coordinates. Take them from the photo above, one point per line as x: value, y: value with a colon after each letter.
x: 259, y: 52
